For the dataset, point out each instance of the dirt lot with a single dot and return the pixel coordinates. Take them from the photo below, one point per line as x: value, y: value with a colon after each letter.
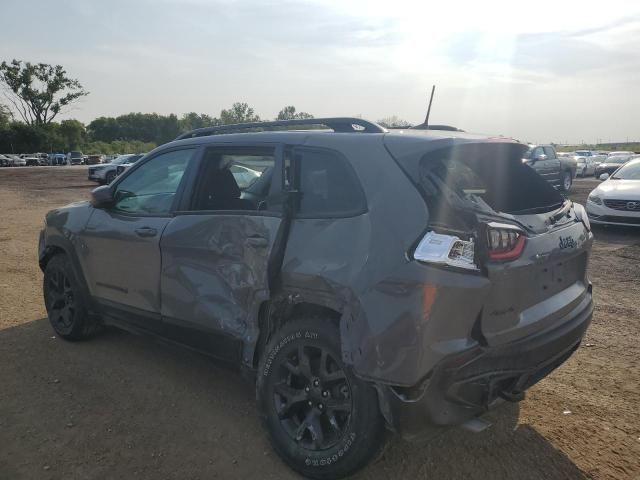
x: 121, y: 406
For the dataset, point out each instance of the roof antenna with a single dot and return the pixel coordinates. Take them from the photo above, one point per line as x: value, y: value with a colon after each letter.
x: 426, y: 120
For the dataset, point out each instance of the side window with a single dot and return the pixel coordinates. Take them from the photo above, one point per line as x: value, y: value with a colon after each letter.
x: 537, y: 152
x: 235, y: 178
x: 151, y: 188
x: 550, y: 153
x: 328, y: 185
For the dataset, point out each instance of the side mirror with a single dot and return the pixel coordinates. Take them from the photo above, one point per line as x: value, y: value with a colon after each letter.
x: 102, y: 197
x: 604, y: 176
x: 542, y: 156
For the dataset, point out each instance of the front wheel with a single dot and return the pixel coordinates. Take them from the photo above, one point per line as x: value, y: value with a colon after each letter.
x: 323, y: 421
x: 65, y: 303
x: 567, y: 180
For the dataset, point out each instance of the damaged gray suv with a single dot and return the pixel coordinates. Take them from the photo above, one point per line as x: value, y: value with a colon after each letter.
x: 368, y: 280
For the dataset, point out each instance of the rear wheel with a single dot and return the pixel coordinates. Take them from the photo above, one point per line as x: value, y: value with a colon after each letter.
x: 65, y: 303
x: 567, y: 180
x: 110, y: 177
x: 323, y: 421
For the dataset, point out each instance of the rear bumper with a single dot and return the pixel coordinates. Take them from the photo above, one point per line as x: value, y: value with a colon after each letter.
x: 466, y: 385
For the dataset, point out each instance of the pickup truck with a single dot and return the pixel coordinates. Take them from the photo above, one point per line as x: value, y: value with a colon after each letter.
x: 558, y: 171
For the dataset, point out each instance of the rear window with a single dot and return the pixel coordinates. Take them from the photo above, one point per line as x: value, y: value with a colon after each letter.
x: 486, y: 176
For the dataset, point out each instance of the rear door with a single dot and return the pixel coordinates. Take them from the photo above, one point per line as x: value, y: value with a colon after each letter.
x: 216, y: 251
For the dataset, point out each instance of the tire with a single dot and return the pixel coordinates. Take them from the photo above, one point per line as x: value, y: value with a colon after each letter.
x: 567, y: 181
x: 110, y: 177
x: 297, y: 399
x: 65, y: 302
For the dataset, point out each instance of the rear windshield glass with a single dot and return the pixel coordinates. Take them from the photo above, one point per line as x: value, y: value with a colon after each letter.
x: 485, y: 177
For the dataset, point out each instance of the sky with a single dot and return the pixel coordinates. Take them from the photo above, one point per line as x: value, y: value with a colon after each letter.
x: 561, y: 71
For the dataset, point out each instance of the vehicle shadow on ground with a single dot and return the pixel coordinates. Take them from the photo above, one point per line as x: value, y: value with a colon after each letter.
x: 506, y: 450
x: 616, y: 234
x: 120, y: 405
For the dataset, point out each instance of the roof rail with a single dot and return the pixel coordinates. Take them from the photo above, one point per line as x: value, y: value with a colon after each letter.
x: 422, y: 126
x: 337, y: 124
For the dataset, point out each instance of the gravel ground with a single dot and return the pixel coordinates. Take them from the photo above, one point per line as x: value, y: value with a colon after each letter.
x: 122, y: 406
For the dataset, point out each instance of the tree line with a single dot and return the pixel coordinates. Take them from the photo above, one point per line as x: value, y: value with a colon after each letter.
x: 38, y: 93
x: 132, y: 132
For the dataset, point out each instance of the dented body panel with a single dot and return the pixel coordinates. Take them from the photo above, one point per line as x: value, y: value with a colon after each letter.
x: 430, y: 338
x: 211, y: 268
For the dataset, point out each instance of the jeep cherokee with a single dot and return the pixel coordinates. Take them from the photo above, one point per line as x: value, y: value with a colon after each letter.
x: 367, y: 279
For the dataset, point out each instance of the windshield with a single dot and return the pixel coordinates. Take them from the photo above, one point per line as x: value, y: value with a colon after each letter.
x: 583, y: 153
x: 619, y: 160
x: 121, y: 159
x: 631, y: 171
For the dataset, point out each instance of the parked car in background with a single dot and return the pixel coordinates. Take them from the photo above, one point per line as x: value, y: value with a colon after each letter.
x: 616, y: 201
x: 11, y: 158
x: 75, y: 158
x: 94, y: 159
x: 338, y: 292
x: 621, y: 152
x: 56, y: 159
x: 586, y: 162
x: 110, y: 158
x: 5, y: 161
x: 31, y: 160
x: 106, y: 173
x: 129, y: 163
x: 612, y: 163
x: 558, y: 171
x: 18, y: 161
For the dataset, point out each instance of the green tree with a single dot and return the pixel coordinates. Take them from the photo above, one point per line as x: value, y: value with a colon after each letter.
x: 238, y: 113
x: 193, y: 120
x: 393, y: 122
x: 104, y: 129
x: 289, y: 113
x: 39, y: 92
x: 145, y: 127
x: 72, y: 134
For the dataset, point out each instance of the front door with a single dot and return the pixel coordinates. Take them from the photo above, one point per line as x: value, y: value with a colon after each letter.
x: 121, y: 244
x: 217, y: 250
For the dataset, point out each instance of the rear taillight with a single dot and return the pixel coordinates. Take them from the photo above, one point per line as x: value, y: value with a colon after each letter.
x: 447, y: 250
x: 505, y: 242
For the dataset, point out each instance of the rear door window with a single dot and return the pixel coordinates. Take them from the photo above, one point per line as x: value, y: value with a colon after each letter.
x: 327, y: 183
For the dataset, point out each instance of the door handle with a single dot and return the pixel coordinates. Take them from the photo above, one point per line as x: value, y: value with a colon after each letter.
x: 256, y: 241
x: 146, y: 232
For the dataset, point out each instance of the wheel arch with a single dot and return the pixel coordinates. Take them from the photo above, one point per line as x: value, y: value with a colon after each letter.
x: 56, y: 246
x: 290, y: 306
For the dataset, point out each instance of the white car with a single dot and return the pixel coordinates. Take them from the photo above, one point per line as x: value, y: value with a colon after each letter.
x: 616, y: 201
x: 587, y: 161
x: 19, y: 162
x: 106, y: 173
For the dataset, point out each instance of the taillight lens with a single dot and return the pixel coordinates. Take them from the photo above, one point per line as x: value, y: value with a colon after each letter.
x: 446, y: 249
x: 505, y: 243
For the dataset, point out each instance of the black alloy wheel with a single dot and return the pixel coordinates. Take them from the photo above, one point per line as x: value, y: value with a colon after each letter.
x: 60, y: 301
x: 312, y: 397
x: 322, y: 419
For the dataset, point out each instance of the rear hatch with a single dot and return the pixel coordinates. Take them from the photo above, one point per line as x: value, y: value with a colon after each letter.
x: 529, y: 241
